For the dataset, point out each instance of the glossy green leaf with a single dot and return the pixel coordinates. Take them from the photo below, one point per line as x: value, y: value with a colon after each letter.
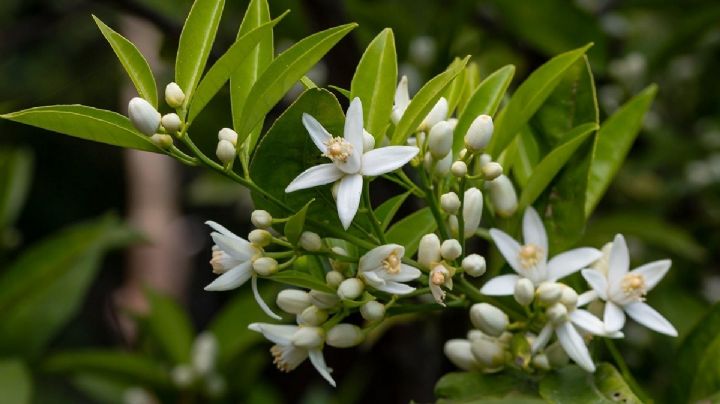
x: 235, y: 57
x: 387, y: 210
x: 374, y: 82
x: 169, y: 326
x: 15, y: 177
x: 284, y: 72
x: 345, y: 93
x: 295, y: 224
x: 472, y: 80
x: 525, y: 153
x: 196, y: 41
x: 571, y: 384
x: 476, y: 387
x: 133, y: 62
x: 100, y: 388
x: 612, y: 144
x: 84, y: 122
x: 15, y: 382
x: 301, y: 279
x: 424, y: 101
x: 529, y: 97
x: 409, y: 230
x: 454, y: 91
x: 697, y: 374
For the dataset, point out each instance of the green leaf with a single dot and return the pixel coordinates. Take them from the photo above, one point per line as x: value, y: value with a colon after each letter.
x: 84, y: 122
x: 454, y: 91
x: 476, y: 387
x: 387, y: 210
x: 345, y: 93
x: 133, y: 62
x: 374, y: 82
x: 196, y: 41
x: 170, y: 327
x: 612, y: 144
x: 409, y: 230
x: 697, y: 374
x: 284, y: 72
x: 15, y: 382
x: 472, y: 80
x: 301, y: 279
x: 15, y: 177
x: 295, y: 224
x: 485, y: 100
x: 571, y: 384
x: 546, y: 170
x: 529, y: 97
x: 235, y: 57
x: 424, y: 101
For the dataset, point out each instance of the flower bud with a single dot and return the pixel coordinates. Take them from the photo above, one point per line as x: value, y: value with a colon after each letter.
x: 462, y: 153
x: 503, y: 196
x: 174, y: 96
x: 472, y: 211
x: 261, y: 219
x: 491, y: 170
x: 350, y: 289
x: 541, y: 361
x: 324, y: 300
x: 452, y: 122
x: 161, y: 141
x: 442, y: 167
x: 440, y: 139
x: 474, y: 265
x: 453, y: 225
x: 557, y: 313
x: 344, y: 336
x: 229, y: 135
x: 484, y: 159
x: 450, y: 202
x: 479, y: 134
x: 401, y: 100
x: 260, y: 237
x: 225, y: 151
x: 143, y: 116
x: 312, y: 316
x: 437, y: 113
x: 459, y: 353
x: 308, y: 337
x: 204, y: 353
x: 488, y: 319
x: 171, y: 122
x: 459, y: 169
x: 265, y: 266
x: 334, y: 279
x: 182, y: 376
x: 569, y: 297
x: 429, y: 250
x: 293, y: 301
x: 337, y: 265
x: 488, y: 353
x: 372, y: 311
x: 524, y: 291
x: 549, y: 292
x: 368, y: 141
x: 450, y: 249
x: 310, y: 241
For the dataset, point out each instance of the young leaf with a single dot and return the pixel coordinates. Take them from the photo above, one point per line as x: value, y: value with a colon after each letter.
x: 374, y: 82
x: 612, y: 144
x: 301, y: 279
x: 133, y: 62
x: 283, y: 72
x: 84, y: 122
x: 409, y: 230
x: 15, y: 177
x: 196, y: 41
x: 15, y: 382
x: 169, y: 325
x: 571, y: 384
x: 295, y: 224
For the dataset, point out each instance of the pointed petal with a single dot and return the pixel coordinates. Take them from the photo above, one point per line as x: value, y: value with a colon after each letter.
x: 619, y: 261
x: 574, y: 346
x: 587, y: 297
x: 597, y: 282
x: 588, y: 322
x: 320, y: 174
x: 317, y: 359
x: 534, y: 230
x: 348, y: 198
x: 280, y: 334
x: 372, y: 279
x: 542, y: 338
x: 318, y: 133
x: 222, y: 230
x: 387, y: 159
x: 509, y: 248
x: 653, y: 272
x: 354, y: 131
x: 503, y: 285
x: 402, y: 95
x: 647, y: 316
x: 373, y: 259
x: 232, y: 278
x: 614, y: 317
x: 395, y: 288
x: 260, y: 300
x: 407, y: 273
x: 237, y: 248
x: 571, y: 261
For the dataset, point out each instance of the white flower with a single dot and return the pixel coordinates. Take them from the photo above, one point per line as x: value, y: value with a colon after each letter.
x: 382, y: 268
x: 440, y: 277
x: 402, y: 100
x: 232, y: 259
x: 293, y: 344
x: 624, y: 291
x: 349, y: 163
x: 530, y: 260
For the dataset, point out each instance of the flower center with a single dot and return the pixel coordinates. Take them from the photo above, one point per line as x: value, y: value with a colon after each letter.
x: 338, y: 149
x: 392, y: 264
x: 437, y: 277
x: 633, y: 285
x: 530, y: 255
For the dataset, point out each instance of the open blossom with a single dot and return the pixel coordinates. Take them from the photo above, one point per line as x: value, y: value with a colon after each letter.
x: 530, y: 260
x: 624, y: 291
x: 382, y: 268
x: 349, y: 162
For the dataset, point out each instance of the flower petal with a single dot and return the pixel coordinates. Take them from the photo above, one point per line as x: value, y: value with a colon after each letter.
x: 320, y: 174
x: 280, y: 334
x: 237, y: 248
x: 619, y: 261
x: 571, y: 261
x: 587, y: 297
x: 647, y: 316
x: 574, y: 346
x: 502, y: 285
x: 260, y: 300
x: 509, y: 248
x: 407, y: 273
x: 534, y: 230
x: 232, y: 278
x: 614, y: 317
x: 222, y: 230
x: 542, y: 338
x: 387, y: 159
x: 402, y: 95
x: 348, y: 198
x: 373, y: 279
x: 588, y: 322
x: 354, y: 132
x: 597, y: 282
x: 373, y: 259
x: 317, y: 359
x: 318, y: 133
x: 653, y: 272
x: 395, y: 288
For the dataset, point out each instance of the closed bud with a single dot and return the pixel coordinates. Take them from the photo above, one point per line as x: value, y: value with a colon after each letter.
x: 462, y: 153
x: 143, y: 116
x: 174, y: 96
x: 488, y: 319
x: 324, y: 300
x: 453, y: 225
x: 490, y: 354
x: 312, y: 316
x: 450, y: 202
x: 472, y: 211
x: 334, y: 279
x: 557, y: 313
x: 479, y: 134
x: 204, y: 353
x: 182, y: 376
x: 229, y: 135
x: 308, y: 337
x: 524, y: 291
x: 450, y: 249
x: 260, y: 237
x: 368, y: 141
x: 372, y: 311
x: 458, y: 351
x: 293, y: 301
x: 350, y: 289
x: 310, y: 241
x: 474, y: 265
x: 429, y: 250
x: 491, y: 170
x: 503, y: 196
x: 442, y: 167
x: 459, y: 169
x: 569, y: 297
x: 161, y: 141
x: 261, y: 219
x: 452, y: 122
x: 440, y: 139
x: 549, y: 292
x: 437, y: 113
x: 541, y: 361
x: 171, y: 122
x: 344, y: 336
x: 225, y: 151
x: 484, y: 159
x: 265, y: 266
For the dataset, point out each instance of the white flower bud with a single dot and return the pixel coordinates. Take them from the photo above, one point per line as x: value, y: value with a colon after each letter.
x: 344, y: 336
x: 450, y: 202
x: 312, y: 316
x: 450, y: 249
x: 174, y: 96
x: 401, y: 97
x: 442, y: 167
x: 462, y: 153
x: 459, y: 169
x: 350, y: 289
x: 161, y: 141
x: 453, y: 224
x: 308, y: 337
x: 171, y: 122
x: 182, y: 376
x: 293, y: 301
x: 265, y: 266
x: 440, y: 139
x: 334, y: 279
x: 225, y: 151
x: 138, y: 395
x: 324, y: 300
x: 474, y: 265
x: 143, y: 116
x: 260, y: 237
x: 540, y: 361
x: 310, y: 241
x: 473, y: 334
x: 472, y: 211
x: 204, y: 353
x: 569, y: 297
x: 229, y: 135
x: 503, y: 196
x: 459, y: 353
x: 437, y: 113
x: 524, y: 291
x: 479, y: 134
x: 484, y: 159
x: 452, y: 122
x: 557, y: 313
x: 549, y: 292
x: 488, y: 319
x: 429, y: 250
x: 368, y: 141
x: 372, y: 311
x: 489, y: 354
x: 491, y: 170
x: 261, y: 219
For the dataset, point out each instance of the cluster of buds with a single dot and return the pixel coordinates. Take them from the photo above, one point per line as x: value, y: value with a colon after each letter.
x: 146, y: 119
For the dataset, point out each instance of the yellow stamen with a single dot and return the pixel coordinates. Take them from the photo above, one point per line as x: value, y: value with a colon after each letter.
x: 530, y: 255
x: 392, y: 263
x: 338, y: 149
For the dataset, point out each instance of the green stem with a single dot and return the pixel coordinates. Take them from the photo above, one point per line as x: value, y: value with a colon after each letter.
x: 371, y: 213
x: 431, y: 201
x: 625, y: 371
